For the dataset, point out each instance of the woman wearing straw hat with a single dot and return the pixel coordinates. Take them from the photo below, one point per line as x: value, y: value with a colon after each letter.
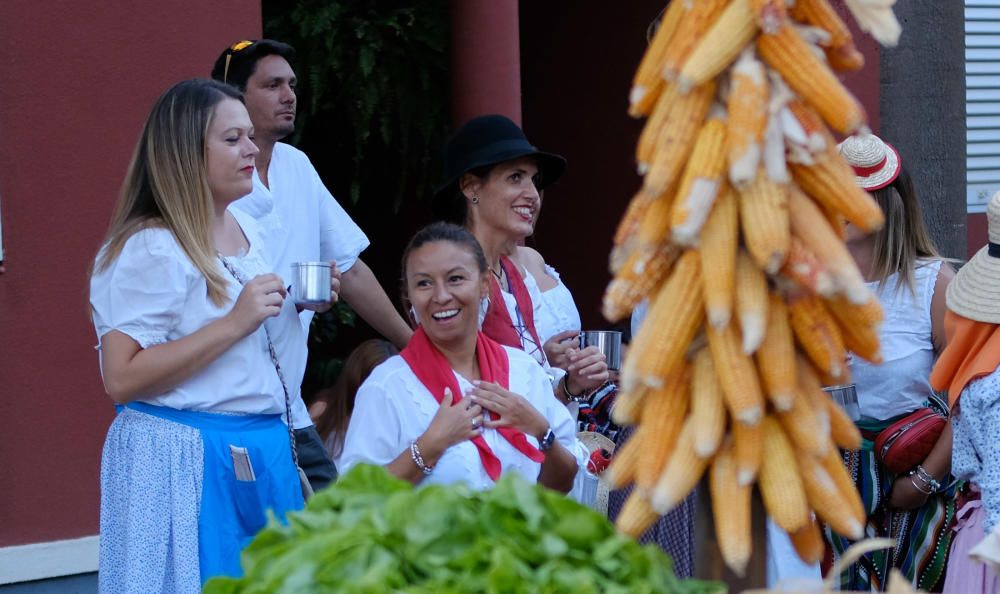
x: 905, y: 271
x: 968, y: 370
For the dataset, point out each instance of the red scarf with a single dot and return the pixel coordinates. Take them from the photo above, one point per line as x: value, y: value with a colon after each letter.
x: 435, y: 373
x: 497, y: 323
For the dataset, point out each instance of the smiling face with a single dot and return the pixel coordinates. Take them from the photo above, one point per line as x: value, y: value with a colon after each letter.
x: 230, y: 152
x: 508, y: 199
x: 270, y: 97
x: 445, y: 286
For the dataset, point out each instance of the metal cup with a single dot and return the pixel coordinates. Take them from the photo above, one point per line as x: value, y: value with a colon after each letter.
x: 846, y: 396
x: 608, y: 341
x: 311, y: 283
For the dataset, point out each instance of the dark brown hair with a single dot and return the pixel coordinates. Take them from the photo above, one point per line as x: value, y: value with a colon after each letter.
x: 340, y: 400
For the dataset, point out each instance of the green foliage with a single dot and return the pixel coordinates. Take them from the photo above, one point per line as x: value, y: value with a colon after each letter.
x: 371, y: 533
x: 373, y: 88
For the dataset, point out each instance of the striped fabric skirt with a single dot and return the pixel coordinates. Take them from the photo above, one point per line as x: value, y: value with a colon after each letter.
x: 923, y: 535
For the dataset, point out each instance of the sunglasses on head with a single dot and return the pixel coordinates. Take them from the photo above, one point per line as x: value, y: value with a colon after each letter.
x: 234, y: 48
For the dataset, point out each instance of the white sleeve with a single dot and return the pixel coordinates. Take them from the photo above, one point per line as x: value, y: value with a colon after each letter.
x: 340, y: 238
x: 556, y: 414
x: 142, y: 293
x: 374, y: 433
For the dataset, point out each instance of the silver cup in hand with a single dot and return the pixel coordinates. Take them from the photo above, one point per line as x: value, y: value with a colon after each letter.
x: 608, y: 342
x: 311, y: 283
x: 846, y: 396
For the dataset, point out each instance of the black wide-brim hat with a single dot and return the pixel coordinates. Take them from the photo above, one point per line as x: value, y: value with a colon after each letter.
x: 488, y: 140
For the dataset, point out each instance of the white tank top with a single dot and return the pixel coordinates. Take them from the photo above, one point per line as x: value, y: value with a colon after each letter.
x: 900, y: 384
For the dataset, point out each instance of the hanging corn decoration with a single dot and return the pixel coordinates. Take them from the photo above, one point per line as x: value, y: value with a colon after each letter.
x: 736, y: 240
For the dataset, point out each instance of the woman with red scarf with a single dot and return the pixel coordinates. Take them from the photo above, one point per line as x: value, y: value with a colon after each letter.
x: 456, y: 406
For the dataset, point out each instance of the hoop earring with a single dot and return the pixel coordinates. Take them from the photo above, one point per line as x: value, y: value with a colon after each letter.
x: 475, y: 199
x: 413, y: 314
x: 484, y: 305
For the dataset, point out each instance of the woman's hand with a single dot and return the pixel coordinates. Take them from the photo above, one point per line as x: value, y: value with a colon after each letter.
x: 334, y: 291
x: 557, y: 348
x: 588, y: 369
x: 451, y: 425
x: 904, y: 495
x: 514, y: 410
x: 261, y: 298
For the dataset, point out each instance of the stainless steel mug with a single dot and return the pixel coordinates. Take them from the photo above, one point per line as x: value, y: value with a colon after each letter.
x: 608, y: 341
x: 846, y: 396
x: 311, y: 283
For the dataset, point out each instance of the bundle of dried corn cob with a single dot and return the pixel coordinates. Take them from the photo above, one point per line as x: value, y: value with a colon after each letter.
x: 736, y: 240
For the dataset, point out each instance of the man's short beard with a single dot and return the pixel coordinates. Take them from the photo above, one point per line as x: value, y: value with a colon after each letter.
x: 284, y: 130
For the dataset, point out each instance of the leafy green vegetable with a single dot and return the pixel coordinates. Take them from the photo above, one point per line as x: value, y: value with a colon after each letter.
x: 372, y: 533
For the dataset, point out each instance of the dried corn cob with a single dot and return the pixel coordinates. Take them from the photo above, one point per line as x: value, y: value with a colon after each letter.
x: 748, y: 450
x: 830, y: 181
x: 628, y: 405
x: 639, y: 278
x: 654, y: 229
x: 803, y: 426
x: 731, y: 510
x: 764, y: 221
x: 825, y: 498
x: 769, y: 14
x: 648, y: 82
x: 700, y: 184
x: 840, y: 49
x: 677, y: 311
x: 859, y: 326
x: 719, y: 243
x: 776, y: 356
x: 804, y: 268
x: 807, y: 75
x: 737, y: 375
x: 805, y: 133
x: 747, y: 106
x: 812, y: 228
x: 626, y: 461
x: 663, y: 415
x: 731, y: 31
x: 833, y: 464
x: 653, y: 129
x: 808, y: 542
x: 708, y: 408
x: 673, y: 144
x: 751, y: 302
x: 817, y: 332
x: 625, y: 235
x: 637, y: 515
x: 780, y: 483
x: 681, y: 474
x: 692, y: 27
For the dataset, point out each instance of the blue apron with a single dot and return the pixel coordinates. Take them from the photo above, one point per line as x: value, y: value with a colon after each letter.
x: 232, y: 511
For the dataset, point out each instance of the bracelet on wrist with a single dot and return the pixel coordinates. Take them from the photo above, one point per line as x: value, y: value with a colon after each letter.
x: 919, y: 488
x: 419, y: 459
x: 571, y: 397
x: 927, y: 478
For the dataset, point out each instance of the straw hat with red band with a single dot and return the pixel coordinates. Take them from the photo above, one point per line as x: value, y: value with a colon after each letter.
x: 876, y: 163
x: 975, y: 291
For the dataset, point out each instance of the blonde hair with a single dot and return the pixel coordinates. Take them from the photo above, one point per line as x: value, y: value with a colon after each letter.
x: 167, y: 183
x: 904, y: 238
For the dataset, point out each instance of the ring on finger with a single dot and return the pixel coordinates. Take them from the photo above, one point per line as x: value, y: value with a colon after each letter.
x: 475, y: 423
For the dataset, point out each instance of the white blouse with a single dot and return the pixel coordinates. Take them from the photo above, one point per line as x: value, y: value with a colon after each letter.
x: 901, y: 384
x: 393, y: 409
x: 154, y: 294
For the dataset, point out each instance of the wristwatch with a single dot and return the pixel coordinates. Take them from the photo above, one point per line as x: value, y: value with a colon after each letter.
x: 547, y: 440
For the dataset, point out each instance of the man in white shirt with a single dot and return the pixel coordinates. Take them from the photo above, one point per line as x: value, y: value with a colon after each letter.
x: 302, y: 220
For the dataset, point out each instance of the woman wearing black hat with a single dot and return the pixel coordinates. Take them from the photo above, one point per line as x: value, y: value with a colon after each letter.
x: 493, y: 181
